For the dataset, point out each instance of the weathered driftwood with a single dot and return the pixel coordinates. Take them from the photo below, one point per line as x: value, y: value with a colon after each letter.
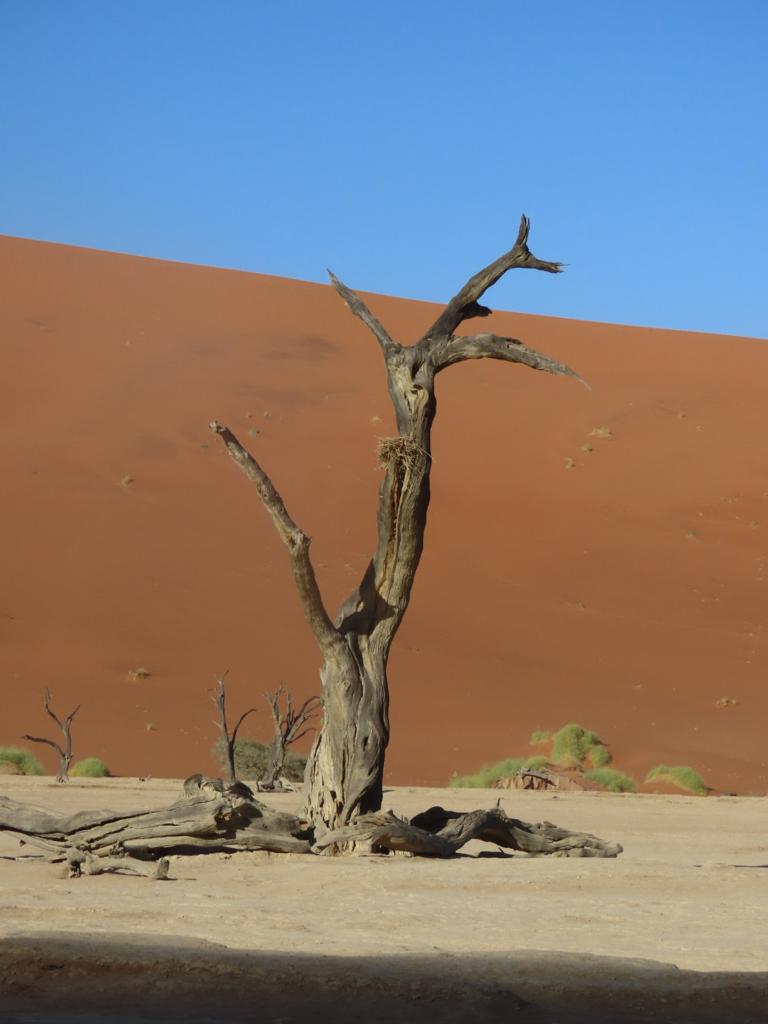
x: 440, y: 833
x: 208, y: 818
x: 80, y: 862
x: 346, y: 763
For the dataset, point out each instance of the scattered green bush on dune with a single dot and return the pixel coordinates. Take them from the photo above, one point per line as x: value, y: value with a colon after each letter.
x: 681, y: 775
x: 89, y: 768
x: 572, y: 744
x: 610, y: 779
x: 599, y: 756
x: 18, y: 761
x: 540, y: 736
x: 489, y: 774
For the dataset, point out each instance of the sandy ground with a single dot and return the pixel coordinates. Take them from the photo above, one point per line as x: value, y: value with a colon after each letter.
x: 616, y: 580
x: 472, y: 938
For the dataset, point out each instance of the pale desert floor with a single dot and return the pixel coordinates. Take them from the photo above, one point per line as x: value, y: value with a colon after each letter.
x: 289, y: 938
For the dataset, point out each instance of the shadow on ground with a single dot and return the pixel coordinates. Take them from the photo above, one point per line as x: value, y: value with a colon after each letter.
x: 105, y: 979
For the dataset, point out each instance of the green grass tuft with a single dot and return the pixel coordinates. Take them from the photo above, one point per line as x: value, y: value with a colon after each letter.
x: 536, y: 762
x: 572, y: 744
x: 599, y: 756
x: 540, y: 736
x: 20, y: 761
x: 89, y: 768
x: 610, y: 779
x: 681, y: 775
x: 489, y: 774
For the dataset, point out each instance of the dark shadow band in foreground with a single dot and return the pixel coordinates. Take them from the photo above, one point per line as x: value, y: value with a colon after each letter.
x: 107, y: 979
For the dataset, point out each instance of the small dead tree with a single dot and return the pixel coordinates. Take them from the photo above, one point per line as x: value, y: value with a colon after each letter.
x: 290, y: 726
x: 346, y: 764
x: 65, y: 752
x: 228, y: 739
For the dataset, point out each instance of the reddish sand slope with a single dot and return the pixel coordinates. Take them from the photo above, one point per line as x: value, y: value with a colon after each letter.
x: 622, y: 587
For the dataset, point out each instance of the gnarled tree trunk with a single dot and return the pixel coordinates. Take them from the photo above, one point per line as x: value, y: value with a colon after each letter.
x: 345, y: 768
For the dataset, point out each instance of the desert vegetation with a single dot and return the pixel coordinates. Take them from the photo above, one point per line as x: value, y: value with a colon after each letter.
x: 681, y: 776
x: 490, y: 774
x: 17, y: 761
x: 540, y: 736
x: 571, y: 746
x: 90, y: 768
x: 583, y: 754
x: 612, y: 780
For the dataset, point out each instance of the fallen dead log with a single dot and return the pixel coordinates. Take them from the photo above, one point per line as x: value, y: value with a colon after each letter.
x: 208, y: 818
x: 213, y: 818
x: 440, y: 833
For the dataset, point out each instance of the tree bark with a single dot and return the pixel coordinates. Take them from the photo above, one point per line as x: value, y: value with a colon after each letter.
x: 346, y: 763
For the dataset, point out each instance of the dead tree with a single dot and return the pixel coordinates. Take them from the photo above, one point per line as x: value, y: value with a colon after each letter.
x: 345, y: 767
x: 228, y: 740
x: 290, y: 725
x: 65, y: 752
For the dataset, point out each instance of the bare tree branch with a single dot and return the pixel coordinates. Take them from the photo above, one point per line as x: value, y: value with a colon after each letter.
x: 459, y: 348
x: 287, y: 729
x: 49, y: 711
x: 65, y: 753
x: 219, y: 698
x: 240, y: 721
x: 295, y: 540
x: 42, y: 739
x: 361, y: 311
x: 464, y: 305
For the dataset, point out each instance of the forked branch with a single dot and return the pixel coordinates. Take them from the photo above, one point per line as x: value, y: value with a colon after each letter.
x: 295, y: 540
x: 464, y: 305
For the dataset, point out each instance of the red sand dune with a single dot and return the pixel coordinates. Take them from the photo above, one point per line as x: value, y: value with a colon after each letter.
x: 626, y: 593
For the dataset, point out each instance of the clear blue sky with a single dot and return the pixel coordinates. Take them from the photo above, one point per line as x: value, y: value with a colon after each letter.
x: 397, y: 142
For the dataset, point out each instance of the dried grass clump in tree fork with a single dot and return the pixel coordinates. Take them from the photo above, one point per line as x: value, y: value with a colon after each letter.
x: 403, y: 451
